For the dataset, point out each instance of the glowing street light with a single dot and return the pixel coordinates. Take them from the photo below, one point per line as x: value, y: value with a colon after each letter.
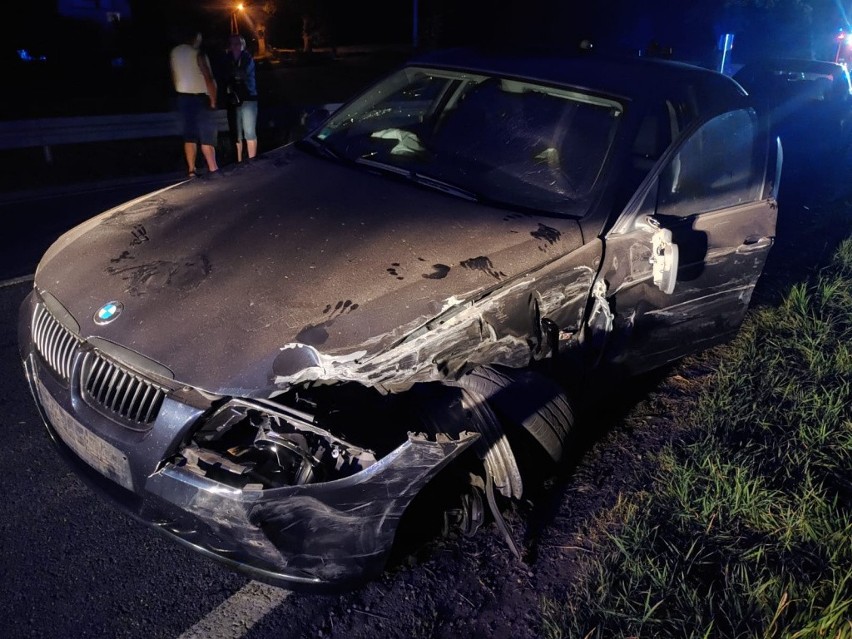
x: 238, y: 8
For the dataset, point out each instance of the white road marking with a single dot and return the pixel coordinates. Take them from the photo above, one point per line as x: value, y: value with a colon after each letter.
x: 235, y: 616
x: 16, y: 281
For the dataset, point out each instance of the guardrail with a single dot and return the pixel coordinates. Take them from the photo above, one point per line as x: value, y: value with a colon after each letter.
x: 48, y: 132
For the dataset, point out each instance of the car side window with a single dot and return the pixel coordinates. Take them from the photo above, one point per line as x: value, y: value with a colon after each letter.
x: 656, y: 130
x: 716, y: 168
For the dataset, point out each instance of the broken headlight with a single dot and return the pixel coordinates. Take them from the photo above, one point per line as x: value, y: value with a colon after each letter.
x: 265, y: 445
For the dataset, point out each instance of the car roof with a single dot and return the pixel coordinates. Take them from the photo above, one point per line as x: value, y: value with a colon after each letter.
x: 634, y: 79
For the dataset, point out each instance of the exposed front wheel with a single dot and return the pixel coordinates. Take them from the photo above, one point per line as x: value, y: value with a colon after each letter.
x: 525, y: 400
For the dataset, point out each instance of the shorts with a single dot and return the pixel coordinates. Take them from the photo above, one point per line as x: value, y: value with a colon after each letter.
x: 197, y: 118
x: 246, y: 121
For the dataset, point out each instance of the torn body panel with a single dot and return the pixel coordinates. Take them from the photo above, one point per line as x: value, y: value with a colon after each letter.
x: 285, y: 525
x: 326, y: 533
x: 501, y: 327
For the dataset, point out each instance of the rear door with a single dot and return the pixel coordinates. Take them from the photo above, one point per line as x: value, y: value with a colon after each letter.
x: 711, y: 193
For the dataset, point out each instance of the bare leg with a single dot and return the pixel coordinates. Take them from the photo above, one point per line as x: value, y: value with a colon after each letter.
x: 252, y: 148
x: 209, y: 153
x: 190, y: 151
x: 239, y: 151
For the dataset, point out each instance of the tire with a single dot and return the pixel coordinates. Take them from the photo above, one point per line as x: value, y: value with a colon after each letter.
x: 527, y: 400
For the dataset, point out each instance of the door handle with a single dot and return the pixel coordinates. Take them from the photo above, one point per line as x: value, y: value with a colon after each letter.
x: 754, y: 243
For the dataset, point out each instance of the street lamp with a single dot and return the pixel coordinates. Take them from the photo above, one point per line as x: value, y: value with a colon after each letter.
x: 237, y: 9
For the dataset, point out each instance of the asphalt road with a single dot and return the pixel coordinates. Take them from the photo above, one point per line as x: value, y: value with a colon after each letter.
x: 71, y: 564
x: 33, y: 219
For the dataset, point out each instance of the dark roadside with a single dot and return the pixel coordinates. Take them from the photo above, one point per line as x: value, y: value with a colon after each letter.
x: 286, y: 90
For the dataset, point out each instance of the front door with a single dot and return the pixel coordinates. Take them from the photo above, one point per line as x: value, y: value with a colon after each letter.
x: 711, y: 193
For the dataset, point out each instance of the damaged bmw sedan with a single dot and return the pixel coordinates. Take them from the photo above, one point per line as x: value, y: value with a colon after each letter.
x: 270, y: 366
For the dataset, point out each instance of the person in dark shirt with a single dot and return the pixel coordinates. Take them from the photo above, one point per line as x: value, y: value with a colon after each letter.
x: 241, y: 94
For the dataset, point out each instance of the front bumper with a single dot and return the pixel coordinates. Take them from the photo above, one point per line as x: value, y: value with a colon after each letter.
x: 336, y: 533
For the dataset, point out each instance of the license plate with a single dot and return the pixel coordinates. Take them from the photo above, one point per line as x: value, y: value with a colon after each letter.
x: 97, y: 453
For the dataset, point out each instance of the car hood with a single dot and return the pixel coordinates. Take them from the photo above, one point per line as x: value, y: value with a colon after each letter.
x: 219, y: 276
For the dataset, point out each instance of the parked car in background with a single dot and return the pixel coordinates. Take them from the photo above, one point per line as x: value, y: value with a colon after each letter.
x: 269, y: 366
x: 791, y: 84
x: 810, y: 106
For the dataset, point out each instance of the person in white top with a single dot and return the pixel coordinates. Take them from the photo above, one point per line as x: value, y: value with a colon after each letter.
x: 196, y: 99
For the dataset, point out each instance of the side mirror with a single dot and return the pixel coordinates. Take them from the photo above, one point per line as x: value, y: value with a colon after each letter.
x: 664, y: 258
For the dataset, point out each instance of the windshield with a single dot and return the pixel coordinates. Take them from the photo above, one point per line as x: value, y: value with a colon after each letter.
x: 513, y: 142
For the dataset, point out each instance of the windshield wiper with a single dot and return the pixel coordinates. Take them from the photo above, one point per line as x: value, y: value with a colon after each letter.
x: 316, y: 146
x: 418, y: 178
x: 446, y: 187
x: 383, y: 166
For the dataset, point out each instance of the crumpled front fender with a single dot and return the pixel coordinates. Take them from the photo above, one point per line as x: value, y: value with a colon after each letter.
x: 332, y: 533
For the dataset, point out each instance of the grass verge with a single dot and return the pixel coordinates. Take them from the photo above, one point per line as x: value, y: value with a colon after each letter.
x: 748, y: 529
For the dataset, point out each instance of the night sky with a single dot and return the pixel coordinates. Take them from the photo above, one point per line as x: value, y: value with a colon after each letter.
x: 83, y: 57
x: 623, y: 24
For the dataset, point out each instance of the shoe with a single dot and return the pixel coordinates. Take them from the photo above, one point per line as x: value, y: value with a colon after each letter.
x: 192, y: 174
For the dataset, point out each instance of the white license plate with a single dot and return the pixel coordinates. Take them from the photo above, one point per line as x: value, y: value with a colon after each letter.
x: 100, y: 455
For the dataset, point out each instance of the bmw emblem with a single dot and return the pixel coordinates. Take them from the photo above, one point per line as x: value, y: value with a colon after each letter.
x: 108, y: 312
